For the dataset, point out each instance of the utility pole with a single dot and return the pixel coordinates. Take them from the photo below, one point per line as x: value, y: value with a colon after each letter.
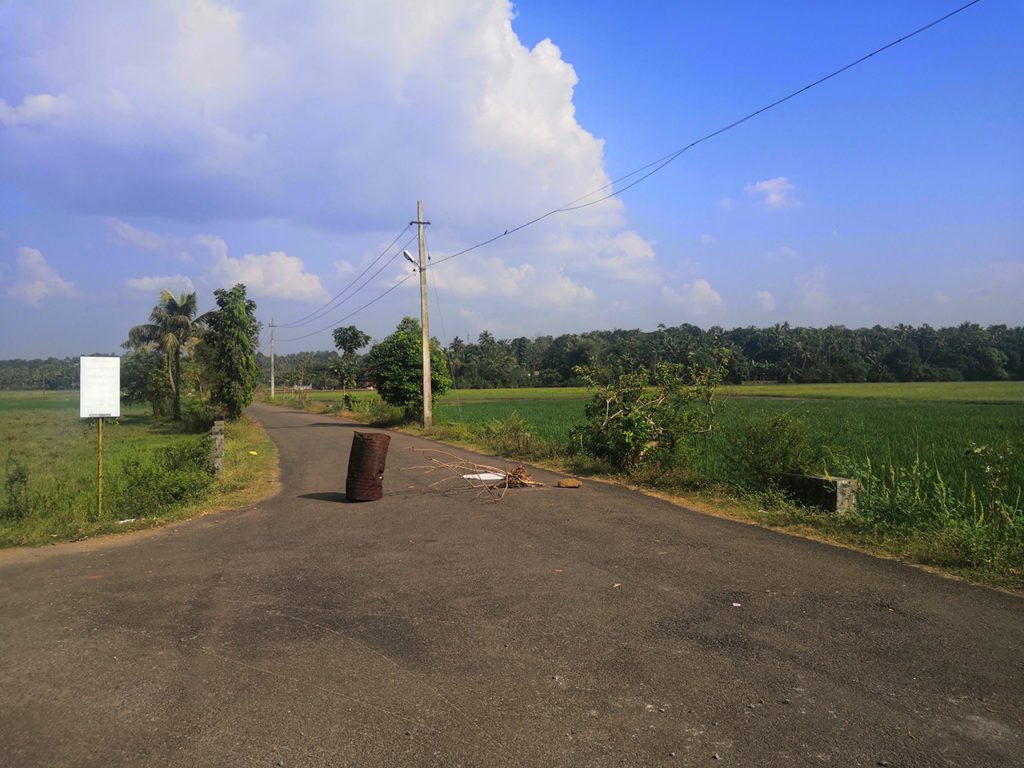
x: 428, y: 410
x: 272, y: 327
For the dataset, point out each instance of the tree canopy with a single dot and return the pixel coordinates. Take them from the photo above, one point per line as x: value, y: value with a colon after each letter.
x: 172, y: 328
x: 396, y: 366
x: 229, y: 350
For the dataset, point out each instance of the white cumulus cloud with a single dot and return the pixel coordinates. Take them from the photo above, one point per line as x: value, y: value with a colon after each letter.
x: 774, y: 194
x: 485, y: 276
x: 698, y: 298
x: 458, y: 110
x: 176, y: 284
x: 274, y: 274
x: 327, y: 117
x: 561, y: 293
x: 625, y: 256
x: 36, y: 280
x: 782, y: 254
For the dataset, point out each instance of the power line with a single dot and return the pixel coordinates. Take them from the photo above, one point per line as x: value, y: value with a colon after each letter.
x: 384, y: 266
x: 645, y: 172
x: 354, y: 312
x: 444, y: 336
x: 317, y: 313
x: 655, y: 166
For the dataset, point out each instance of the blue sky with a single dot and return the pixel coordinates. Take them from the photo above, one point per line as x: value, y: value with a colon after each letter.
x: 191, y: 145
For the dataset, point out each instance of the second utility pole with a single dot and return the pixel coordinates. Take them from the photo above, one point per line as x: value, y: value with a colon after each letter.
x: 428, y: 414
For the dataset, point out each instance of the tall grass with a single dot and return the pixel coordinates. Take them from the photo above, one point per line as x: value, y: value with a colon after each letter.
x: 152, y: 471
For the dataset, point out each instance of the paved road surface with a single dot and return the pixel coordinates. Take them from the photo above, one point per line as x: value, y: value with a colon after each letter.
x: 589, y: 627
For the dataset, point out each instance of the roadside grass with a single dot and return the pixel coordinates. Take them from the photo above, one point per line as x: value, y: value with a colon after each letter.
x: 152, y: 472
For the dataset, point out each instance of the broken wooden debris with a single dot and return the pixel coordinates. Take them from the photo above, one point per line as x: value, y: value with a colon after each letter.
x: 462, y: 474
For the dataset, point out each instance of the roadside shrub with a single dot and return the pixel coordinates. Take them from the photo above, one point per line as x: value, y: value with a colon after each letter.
x: 511, y: 436
x: 760, y: 451
x: 640, y: 416
x: 893, y: 498
x: 196, y: 418
x: 15, y: 503
x: 380, y: 414
x: 165, y: 480
x: 947, y: 526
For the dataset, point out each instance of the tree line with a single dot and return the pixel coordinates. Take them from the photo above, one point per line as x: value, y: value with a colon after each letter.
x: 783, y: 353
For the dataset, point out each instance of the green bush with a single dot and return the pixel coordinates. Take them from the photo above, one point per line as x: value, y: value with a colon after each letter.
x: 196, y: 418
x: 511, y: 436
x: 15, y: 502
x: 641, y: 417
x: 172, y: 476
x: 760, y: 451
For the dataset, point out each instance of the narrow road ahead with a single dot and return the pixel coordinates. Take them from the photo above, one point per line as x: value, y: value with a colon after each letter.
x: 586, y: 627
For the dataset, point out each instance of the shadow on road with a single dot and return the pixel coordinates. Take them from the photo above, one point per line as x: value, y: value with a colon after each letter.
x: 326, y: 496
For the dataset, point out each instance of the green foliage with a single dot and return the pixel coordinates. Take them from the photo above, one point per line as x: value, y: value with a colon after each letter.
x: 511, y: 436
x: 229, y: 351
x: 15, y: 503
x: 963, y: 529
x: 144, y: 380
x: 396, y: 366
x: 48, y: 486
x: 160, y: 482
x: 348, y: 340
x: 172, y: 329
x: 781, y: 353
x: 639, y: 415
x: 761, y: 450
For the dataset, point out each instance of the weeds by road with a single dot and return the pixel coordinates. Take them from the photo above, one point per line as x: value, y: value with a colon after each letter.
x: 153, y: 473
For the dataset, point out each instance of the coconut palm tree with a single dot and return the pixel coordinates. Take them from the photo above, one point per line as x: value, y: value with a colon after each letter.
x: 171, y: 328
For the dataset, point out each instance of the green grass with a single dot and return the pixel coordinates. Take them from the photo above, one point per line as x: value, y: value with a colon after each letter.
x: 151, y: 471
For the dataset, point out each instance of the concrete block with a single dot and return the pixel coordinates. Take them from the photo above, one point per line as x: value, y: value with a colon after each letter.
x: 831, y: 494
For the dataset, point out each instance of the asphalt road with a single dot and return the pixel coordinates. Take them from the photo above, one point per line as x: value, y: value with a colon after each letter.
x: 555, y: 627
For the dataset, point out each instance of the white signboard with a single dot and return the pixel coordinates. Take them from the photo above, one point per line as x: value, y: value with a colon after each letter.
x: 100, y: 393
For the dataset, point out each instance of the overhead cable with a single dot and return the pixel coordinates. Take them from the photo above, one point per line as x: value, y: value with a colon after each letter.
x: 656, y: 165
x: 354, y: 312
x: 318, y: 313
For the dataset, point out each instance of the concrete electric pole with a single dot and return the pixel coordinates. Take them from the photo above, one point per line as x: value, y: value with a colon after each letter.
x: 428, y: 410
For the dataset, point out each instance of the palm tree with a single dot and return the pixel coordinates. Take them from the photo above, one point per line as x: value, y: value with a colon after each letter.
x: 171, y: 327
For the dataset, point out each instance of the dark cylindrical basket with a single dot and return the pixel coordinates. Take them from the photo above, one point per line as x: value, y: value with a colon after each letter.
x: 366, y: 466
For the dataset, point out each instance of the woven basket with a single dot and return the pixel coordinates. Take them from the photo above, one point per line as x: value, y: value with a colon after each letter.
x: 365, y: 480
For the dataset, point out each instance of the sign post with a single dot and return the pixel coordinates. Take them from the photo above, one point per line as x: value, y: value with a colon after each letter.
x: 99, y: 397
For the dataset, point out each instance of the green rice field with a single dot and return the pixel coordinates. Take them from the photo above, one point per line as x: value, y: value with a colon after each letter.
x: 888, y: 423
